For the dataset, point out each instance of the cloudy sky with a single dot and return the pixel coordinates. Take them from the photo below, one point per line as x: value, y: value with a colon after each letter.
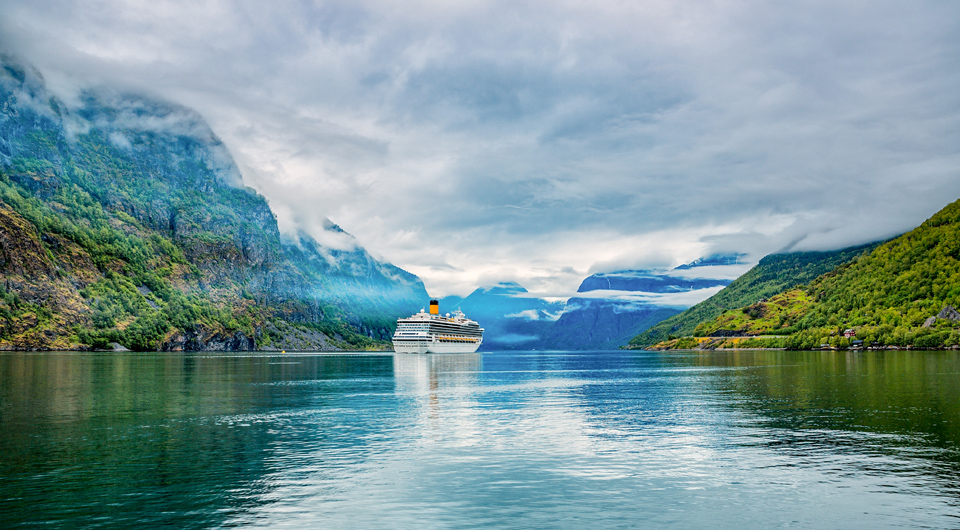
x: 473, y: 142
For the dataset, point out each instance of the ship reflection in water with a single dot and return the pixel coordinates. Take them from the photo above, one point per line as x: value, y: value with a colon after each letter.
x: 422, y: 374
x: 431, y: 378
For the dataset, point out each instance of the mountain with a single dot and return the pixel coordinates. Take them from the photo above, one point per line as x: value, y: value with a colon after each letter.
x: 904, y: 293
x: 511, y: 318
x: 646, y: 281
x: 698, y: 274
x: 715, y: 260
x: 626, y: 303
x: 124, y: 220
x: 599, y: 324
x: 616, y: 306
x: 773, y: 274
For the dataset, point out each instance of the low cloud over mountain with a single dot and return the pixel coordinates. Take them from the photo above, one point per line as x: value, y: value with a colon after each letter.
x: 539, y: 142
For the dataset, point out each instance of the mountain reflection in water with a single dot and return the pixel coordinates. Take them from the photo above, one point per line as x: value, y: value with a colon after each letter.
x: 537, y: 439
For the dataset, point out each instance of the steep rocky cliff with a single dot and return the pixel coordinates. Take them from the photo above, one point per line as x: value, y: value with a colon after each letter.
x: 124, y: 219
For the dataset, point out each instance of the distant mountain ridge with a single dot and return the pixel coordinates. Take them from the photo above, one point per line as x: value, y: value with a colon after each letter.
x: 664, y: 281
x: 626, y: 304
x: 600, y: 324
x: 629, y: 303
x: 715, y: 260
x: 645, y: 281
x: 125, y: 220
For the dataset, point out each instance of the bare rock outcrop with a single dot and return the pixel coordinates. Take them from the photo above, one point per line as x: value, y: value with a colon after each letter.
x: 949, y: 313
x: 201, y: 339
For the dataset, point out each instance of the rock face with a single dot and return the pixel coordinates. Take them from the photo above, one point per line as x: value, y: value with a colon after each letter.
x: 284, y: 337
x: 124, y: 219
x: 33, y: 284
x: 949, y: 313
x: 199, y: 339
x: 21, y: 252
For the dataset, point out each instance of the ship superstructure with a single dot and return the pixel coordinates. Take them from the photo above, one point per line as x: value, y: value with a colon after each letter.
x: 432, y: 333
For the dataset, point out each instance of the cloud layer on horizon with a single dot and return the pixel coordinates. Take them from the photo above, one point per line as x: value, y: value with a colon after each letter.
x: 542, y: 141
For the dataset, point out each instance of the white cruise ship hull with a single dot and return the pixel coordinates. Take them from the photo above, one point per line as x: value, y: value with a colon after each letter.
x: 435, y: 347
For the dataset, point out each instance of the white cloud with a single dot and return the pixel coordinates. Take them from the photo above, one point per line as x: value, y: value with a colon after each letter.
x: 120, y: 140
x: 539, y: 142
x: 683, y: 299
x: 529, y: 314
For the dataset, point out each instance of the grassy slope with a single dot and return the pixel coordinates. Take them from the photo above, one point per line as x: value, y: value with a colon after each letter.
x: 777, y: 316
x: 774, y: 274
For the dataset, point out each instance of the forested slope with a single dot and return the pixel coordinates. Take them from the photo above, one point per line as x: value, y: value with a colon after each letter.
x: 772, y: 275
x: 903, y: 293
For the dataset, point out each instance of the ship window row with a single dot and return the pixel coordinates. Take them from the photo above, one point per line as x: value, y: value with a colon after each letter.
x: 453, y: 326
x: 454, y: 330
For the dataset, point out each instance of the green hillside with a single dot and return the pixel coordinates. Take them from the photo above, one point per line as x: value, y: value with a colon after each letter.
x: 900, y: 294
x: 772, y: 275
x: 124, y: 220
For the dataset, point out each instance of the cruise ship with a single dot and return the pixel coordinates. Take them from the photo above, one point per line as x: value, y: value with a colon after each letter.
x: 432, y: 333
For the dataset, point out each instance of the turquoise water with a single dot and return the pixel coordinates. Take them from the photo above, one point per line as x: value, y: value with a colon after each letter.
x: 498, y: 439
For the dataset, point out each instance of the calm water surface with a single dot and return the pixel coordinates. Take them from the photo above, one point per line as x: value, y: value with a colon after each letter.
x: 502, y: 439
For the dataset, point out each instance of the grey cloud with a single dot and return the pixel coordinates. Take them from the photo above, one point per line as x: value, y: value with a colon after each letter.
x: 501, y: 137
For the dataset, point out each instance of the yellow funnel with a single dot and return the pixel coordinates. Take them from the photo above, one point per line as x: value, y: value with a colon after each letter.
x: 434, y: 307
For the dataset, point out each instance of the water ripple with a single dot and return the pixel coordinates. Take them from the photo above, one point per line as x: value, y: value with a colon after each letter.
x: 519, y: 440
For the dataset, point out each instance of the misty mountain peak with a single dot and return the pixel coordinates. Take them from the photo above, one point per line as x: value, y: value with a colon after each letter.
x: 715, y: 260
x: 505, y: 288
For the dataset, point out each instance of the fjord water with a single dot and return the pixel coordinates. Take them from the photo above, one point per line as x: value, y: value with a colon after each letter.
x: 751, y: 439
